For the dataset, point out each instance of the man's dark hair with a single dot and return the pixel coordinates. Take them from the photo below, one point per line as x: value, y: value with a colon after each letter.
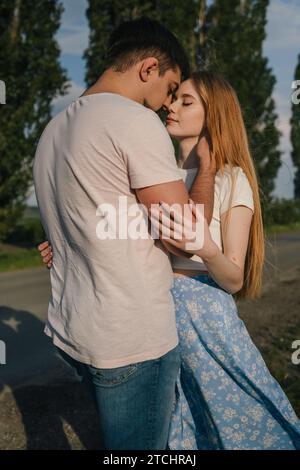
x: 143, y: 37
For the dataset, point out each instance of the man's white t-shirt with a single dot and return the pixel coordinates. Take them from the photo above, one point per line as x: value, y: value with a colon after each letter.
x: 110, y: 302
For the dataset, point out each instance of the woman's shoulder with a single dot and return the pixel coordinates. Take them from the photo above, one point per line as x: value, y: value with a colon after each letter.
x: 228, y: 170
x: 242, y: 192
x: 225, y: 177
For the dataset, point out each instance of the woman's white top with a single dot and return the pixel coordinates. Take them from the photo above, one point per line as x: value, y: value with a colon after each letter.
x: 242, y: 196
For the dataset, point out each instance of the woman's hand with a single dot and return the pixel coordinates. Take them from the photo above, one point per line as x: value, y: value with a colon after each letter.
x: 188, y: 232
x: 204, y: 152
x: 46, y: 253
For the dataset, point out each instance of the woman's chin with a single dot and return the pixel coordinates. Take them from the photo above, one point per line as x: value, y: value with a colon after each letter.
x: 176, y: 137
x: 172, y: 134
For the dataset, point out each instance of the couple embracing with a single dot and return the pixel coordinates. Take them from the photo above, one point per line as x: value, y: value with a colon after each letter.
x: 151, y: 325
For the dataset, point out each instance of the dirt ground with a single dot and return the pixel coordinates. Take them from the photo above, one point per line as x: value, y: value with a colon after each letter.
x: 56, y: 412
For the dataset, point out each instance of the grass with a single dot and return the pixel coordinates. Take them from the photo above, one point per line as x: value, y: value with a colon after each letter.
x: 273, y: 323
x: 21, y: 252
x: 13, y: 257
x: 283, y: 228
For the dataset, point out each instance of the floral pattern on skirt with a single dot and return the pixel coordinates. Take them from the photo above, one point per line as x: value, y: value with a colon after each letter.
x: 226, y: 397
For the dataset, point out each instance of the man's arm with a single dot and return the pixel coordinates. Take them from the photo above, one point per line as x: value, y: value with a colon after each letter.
x: 202, y: 190
x: 171, y: 193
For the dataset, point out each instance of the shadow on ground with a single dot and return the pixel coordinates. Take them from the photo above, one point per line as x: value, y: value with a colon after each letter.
x: 42, y: 403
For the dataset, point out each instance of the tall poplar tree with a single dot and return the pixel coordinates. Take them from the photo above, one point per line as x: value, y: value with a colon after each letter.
x: 234, y: 32
x: 295, y: 131
x: 30, y: 68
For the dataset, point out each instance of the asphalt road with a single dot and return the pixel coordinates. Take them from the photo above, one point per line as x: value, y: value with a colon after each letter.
x: 23, y: 309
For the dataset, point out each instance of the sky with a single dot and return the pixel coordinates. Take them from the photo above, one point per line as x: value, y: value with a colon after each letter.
x: 281, y: 47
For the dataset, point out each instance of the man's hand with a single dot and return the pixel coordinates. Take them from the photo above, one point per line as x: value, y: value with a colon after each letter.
x: 46, y: 253
x: 202, y: 190
x: 207, y: 162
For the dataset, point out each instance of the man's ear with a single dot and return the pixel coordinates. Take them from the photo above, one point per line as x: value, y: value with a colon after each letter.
x: 147, y: 68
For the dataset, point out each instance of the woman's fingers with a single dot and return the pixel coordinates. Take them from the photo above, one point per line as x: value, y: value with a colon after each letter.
x: 197, y: 211
x: 182, y: 232
x: 47, y: 258
x: 164, y: 224
x: 161, y: 224
x: 46, y: 251
x: 188, y: 231
x: 43, y: 245
x: 183, y: 219
x: 167, y: 229
x: 181, y: 214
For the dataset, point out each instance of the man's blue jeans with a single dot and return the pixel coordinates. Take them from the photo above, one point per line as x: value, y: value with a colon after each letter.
x: 135, y: 402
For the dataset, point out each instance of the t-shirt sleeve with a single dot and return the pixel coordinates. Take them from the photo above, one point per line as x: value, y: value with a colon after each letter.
x: 149, y: 153
x: 242, y: 193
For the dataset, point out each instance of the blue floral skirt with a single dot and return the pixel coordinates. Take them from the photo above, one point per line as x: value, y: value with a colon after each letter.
x: 226, y: 397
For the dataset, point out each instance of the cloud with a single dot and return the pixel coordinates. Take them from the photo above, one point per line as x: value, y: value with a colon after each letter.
x: 282, y: 48
x: 74, y: 32
x: 31, y: 198
x: 284, y: 185
x: 73, y: 39
x: 75, y: 11
x: 283, y: 25
x: 61, y: 102
x: 283, y: 109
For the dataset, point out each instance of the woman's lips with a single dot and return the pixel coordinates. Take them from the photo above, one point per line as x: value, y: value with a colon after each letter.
x: 169, y: 120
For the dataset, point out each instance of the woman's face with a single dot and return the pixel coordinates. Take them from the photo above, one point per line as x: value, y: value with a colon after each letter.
x: 186, y: 114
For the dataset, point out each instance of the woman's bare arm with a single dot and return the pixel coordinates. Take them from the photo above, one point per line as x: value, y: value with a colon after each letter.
x: 227, y: 268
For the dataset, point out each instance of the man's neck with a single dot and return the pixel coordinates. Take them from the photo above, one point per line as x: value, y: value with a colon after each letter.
x: 114, y: 82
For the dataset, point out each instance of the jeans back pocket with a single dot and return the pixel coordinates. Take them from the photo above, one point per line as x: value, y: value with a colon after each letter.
x: 112, y: 377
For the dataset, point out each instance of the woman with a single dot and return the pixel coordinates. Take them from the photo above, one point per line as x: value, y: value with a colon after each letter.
x: 225, y: 395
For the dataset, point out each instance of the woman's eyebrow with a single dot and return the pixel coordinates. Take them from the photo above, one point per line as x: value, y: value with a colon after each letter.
x: 186, y: 95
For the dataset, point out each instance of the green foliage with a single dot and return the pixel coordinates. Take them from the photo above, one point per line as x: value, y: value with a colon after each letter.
x: 282, y: 212
x: 29, y: 64
x: 234, y: 42
x: 105, y: 15
x: 28, y: 232
x: 295, y: 135
x: 12, y: 258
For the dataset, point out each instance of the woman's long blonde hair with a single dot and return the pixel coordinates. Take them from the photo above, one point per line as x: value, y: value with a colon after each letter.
x: 229, y: 143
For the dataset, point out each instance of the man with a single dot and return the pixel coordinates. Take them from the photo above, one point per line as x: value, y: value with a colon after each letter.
x: 111, y: 313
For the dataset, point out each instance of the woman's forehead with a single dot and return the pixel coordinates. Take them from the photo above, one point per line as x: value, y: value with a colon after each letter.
x: 186, y: 87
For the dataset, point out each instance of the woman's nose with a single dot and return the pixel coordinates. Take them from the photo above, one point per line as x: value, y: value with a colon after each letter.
x: 170, y: 107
